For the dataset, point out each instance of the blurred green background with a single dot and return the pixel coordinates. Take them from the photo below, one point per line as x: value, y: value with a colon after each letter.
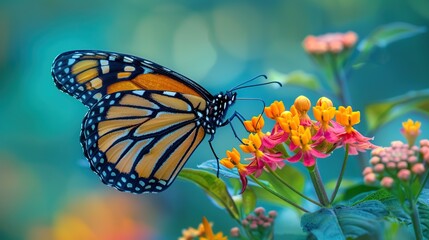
x: 47, y: 190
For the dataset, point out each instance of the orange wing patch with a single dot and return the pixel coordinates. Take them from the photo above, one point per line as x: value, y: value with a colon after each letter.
x: 146, y: 165
x: 171, y: 167
x: 151, y: 81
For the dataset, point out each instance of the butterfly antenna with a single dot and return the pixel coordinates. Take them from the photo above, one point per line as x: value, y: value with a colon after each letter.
x: 254, y: 78
x: 256, y: 85
x: 255, y: 99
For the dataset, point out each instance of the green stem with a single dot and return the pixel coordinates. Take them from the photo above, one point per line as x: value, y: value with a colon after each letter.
x: 277, y: 194
x: 415, y: 218
x: 341, y: 80
x: 340, y: 177
x: 423, y: 183
x: 292, y: 188
x: 318, y: 186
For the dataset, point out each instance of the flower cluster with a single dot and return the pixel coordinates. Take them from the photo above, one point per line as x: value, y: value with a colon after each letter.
x: 331, y: 42
x: 295, y: 137
x: 400, y: 162
x: 259, y: 225
x: 203, y: 232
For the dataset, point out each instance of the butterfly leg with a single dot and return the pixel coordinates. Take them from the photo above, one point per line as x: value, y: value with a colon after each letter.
x: 229, y: 121
x: 214, y: 153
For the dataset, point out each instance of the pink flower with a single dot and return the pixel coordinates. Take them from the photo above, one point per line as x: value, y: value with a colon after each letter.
x: 356, y: 141
x: 260, y: 158
x: 277, y: 136
x: 305, y: 149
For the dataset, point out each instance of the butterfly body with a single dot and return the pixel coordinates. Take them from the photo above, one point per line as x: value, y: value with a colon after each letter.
x: 144, y: 120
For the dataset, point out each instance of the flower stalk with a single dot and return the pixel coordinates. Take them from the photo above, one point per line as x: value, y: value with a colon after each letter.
x: 415, y: 218
x: 318, y: 186
x: 340, y: 177
x: 292, y: 188
x: 277, y: 194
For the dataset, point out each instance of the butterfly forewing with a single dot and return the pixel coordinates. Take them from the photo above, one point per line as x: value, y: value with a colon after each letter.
x: 89, y: 75
x: 138, y: 141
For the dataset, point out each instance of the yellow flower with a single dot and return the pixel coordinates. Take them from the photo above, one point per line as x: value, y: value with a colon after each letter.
x: 323, y: 112
x: 252, y: 145
x: 255, y: 125
x: 325, y: 100
x: 347, y: 118
x: 288, y: 121
x: 301, y: 137
x: 232, y: 160
x: 275, y: 110
x: 191, y: 233
x: 208, y: 232
x: 301, y: 105
x: 411, y: 130
x: 204, y: 232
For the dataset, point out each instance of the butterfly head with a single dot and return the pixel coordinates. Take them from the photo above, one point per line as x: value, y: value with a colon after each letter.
x: 216, y: 109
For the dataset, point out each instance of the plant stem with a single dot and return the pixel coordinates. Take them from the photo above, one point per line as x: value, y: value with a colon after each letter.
x: 277, y: 194
x: 423, y: 184
x: 415, y: 218
x: 340, y: 177
x: 318, y: 186
x: 341, y: 80
x: 292, y: 188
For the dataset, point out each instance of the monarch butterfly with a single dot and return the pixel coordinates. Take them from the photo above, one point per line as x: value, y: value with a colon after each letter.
x: 144, y: 120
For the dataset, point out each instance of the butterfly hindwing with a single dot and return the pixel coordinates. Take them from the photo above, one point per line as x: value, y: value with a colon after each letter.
x: 138, y: 141
x: 90, y: 75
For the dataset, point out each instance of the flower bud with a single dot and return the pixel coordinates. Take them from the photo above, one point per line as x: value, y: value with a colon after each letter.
x: 387, y: 182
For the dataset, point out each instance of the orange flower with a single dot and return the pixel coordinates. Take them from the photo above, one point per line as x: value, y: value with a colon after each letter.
x: 275, y: 110
x: 233, y: 160
x: 330, y: 42
x: 255, y: 125
x: 411, y: 130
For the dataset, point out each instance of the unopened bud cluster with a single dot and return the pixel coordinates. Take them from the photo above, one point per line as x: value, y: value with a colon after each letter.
x: 398, y: 161
x: 258, y: 223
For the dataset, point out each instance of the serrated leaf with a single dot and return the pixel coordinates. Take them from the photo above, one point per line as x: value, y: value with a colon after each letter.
x: 388, y: 34
x: 342, y: 222
x: 384, y: 111
x: 297, y: 78
x: 213, y: 186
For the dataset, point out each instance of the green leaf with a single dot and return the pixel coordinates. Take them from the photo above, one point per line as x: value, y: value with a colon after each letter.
x: 382, y: 37
x: 382, y: 112
x: 387, y: 34
x: 342, y: 222
x: 290, y: 175
x: 355, y: 190
x: 379, y: 195
x: 213, y: 186
x: 424, y: 218
x: 249, y: 201
x: 298, y: 78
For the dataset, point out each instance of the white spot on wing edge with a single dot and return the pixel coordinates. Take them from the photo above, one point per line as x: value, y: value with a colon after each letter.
x: 139, y: 92
x: 129, y: 68
x: 128, y: 59
x: 105, y: 69
x: 169, y: 93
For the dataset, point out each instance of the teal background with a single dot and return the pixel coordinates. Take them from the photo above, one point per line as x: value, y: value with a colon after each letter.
x: 47, y: 191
